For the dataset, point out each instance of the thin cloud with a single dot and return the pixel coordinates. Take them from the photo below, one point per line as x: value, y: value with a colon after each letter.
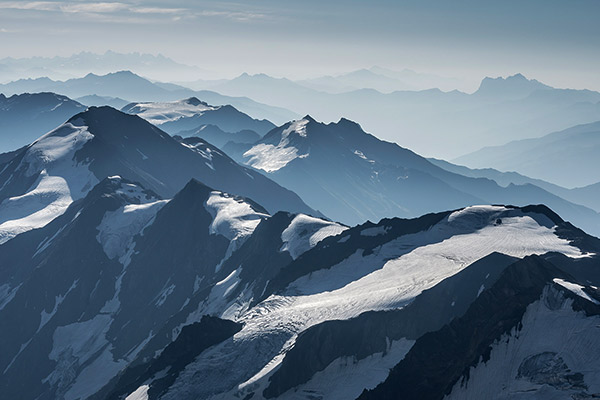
x: 233, y: 15
x: 101, y: 8
x: 87, y: 8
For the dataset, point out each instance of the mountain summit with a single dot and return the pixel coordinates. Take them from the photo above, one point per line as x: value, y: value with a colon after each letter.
x: 513, y: 87
x: 352, y: 176
x: 42, y: 179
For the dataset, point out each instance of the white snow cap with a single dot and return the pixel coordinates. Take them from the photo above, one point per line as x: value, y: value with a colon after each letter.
x: 271, y: 158
x: 60, y: 182
x: 304, y: 232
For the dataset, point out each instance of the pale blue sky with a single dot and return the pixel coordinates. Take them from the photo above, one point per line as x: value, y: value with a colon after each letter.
x: 554, y: 41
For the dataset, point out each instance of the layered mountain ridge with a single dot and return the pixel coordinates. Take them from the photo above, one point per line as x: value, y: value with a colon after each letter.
x: 42, y: 179
x: 374, y: 179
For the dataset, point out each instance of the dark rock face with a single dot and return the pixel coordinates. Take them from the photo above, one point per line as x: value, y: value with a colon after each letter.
x: 192, y: 341
x: 61, y: 276
x: 261, y: 256
x: 63, y: 281
x: 439, y: 359
x: 371, y: 332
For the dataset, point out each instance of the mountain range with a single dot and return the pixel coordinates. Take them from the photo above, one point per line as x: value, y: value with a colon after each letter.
x: 151, y: 66
x: 177, y: 249
x: 110, y: 300
x: 501, y: 110
x: 374, y: 179
x: 588, y: 196
x: 567, y: 158
x: 41, y: 180
x: 127, y: 85
x: 192, y: 114
x: 381, y: 79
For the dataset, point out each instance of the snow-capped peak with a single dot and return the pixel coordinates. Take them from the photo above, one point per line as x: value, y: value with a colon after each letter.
x: 233, y: 217
x: 273, y: 156
x: 304, y: 232
x: 59, y: 180
x: 298, y: 127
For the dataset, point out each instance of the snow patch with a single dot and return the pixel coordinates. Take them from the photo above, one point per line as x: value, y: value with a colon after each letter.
x: 60, y: 182
x: 160, y: 113
x: 84, y: 362
x: 233, y: 218
x: 346, y: 377
x: 575, y: 288
x: 119, y: 227
x: 544, y: 330
x: 140, y: 393
x: 304, y: 232
x: 481, y: 289
x: 271, y: 158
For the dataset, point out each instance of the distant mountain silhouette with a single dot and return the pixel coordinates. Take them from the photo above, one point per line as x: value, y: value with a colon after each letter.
x: 512, y: 87
x: 192, y: 113
x: 98, y: 101
x: 433, y: 122
x: 359, y: 79
x: 127, y: 85
x: 568, y: 158
x: 588, y: 196
x: 217, y: 137
x: 152, y: 66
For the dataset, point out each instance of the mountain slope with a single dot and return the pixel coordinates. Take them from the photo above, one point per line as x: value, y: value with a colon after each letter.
x: 190, y: 114
x: 300, y: 154
x: 373, y: 268
x: 116, y: 277
x: 504, y: 355
x: 41, y: 180
x: 566, y: 158
x: 25, y: 117
x: 374, y: 179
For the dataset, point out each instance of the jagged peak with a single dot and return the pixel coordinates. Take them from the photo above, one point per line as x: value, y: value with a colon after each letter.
x: 511, y: 82
x: 193, y: 188
x: 345, y: 121
x: 308, y: 118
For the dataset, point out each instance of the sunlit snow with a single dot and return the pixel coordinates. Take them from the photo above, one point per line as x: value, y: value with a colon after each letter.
x: 60, y: 181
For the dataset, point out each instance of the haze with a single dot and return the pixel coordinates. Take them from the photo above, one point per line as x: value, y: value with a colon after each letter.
x: 553, y: 41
